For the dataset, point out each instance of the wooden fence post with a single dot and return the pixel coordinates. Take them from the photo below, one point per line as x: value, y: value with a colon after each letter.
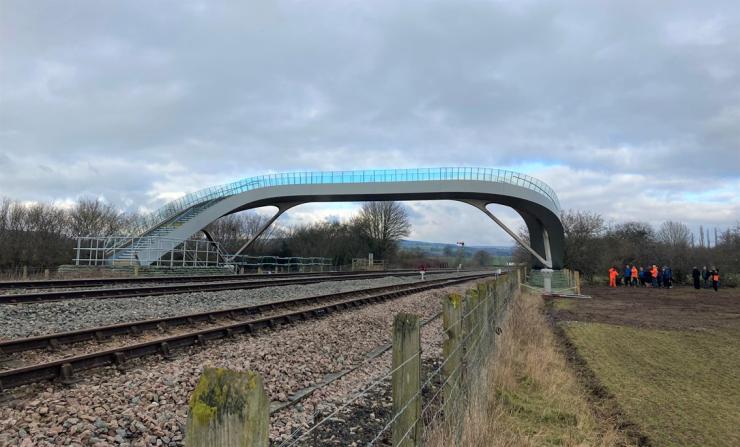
x: 451, y: 352
x: 485, y: 306
x: 519, y: 278
x: 406, y: 381
x: 228, y: 408
x: 477, y: 305
x: 578, y: 281
x: 25, y: 272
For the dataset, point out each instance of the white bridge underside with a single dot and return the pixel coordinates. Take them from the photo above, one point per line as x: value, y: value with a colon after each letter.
x: 540, y: 212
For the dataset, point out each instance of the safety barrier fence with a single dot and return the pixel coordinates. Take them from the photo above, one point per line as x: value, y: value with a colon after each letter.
x: 561, y: 281
x: 123, y: 250
x: 421, y: 402
x: 281, y: 264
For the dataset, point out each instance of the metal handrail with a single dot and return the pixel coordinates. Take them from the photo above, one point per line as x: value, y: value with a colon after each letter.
x: 177, y: 206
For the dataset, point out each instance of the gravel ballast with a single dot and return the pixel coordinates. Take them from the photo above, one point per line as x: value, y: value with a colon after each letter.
x: 28, y: 320
x: 147, y: 405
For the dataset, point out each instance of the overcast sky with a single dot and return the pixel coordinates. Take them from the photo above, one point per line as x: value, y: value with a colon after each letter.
x: 627, y: 108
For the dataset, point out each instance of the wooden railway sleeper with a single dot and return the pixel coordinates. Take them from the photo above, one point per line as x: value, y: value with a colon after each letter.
x: 53, y: 344
x: 119, y: 360
x: 67, y: 374
x: 164, y: 350
x: 101, y: 337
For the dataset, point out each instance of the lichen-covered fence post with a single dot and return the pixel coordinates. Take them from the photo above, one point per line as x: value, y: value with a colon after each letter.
x: 228, y: 408
x: 406, y: 381
x: 451, y: 352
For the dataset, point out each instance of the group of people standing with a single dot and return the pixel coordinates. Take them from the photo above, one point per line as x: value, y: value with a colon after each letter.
x: 658, y: 277
x: 632, y: 276
x: 709, y: 276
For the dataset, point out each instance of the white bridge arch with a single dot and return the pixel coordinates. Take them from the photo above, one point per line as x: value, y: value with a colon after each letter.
x: 535, y: 202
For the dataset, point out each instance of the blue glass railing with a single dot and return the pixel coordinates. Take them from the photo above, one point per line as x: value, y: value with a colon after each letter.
x: 172, y: 209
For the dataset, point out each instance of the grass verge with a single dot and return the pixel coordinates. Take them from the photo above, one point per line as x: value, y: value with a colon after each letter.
x: 680, y: 387
x: 529, y: 395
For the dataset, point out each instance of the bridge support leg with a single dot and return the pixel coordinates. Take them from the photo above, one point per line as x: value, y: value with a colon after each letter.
x: 546, y: 261
x: 282, y: 207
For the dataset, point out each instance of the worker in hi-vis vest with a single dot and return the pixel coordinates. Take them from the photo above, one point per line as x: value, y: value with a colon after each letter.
x: 635, y: 276
x: 613, y: 277
x: 654, y: 276
x: 715, y: 279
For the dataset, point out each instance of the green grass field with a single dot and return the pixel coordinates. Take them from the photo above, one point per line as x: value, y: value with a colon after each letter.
x: 682, y: 387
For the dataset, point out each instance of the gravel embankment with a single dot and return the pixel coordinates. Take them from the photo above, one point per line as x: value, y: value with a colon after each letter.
x: 147, y: 405
x: 28, y: 320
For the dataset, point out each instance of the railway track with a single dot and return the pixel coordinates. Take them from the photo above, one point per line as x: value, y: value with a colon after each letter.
x: 154, y: 290
x: 311, y: 307
x: 98, y: 282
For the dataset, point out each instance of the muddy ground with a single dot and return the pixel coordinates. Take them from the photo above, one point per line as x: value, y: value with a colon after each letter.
x: 676, y: 308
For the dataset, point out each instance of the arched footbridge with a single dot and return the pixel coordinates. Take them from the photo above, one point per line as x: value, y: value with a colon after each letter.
x: 535, y: 202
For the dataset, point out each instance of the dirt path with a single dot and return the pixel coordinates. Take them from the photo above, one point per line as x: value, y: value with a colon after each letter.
x: 677, y: 308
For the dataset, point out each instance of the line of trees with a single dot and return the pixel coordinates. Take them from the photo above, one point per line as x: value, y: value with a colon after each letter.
x: 592, y: 246
x: 42, y: 235
x: 377, y: 229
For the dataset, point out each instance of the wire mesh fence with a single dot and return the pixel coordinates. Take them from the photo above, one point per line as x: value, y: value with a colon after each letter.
x: 282, y: 264
x: 122, y: 251
x: 560, y: 281
x: 438, y: 398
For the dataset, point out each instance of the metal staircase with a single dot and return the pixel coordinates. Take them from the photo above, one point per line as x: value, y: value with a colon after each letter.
x: 147, y: 240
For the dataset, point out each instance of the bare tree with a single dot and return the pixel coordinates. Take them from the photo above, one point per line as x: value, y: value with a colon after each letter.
x: 674, y: 234
x: 234, y: 230
x: 583, y: 240
x: 92, y: 217
x: 482, y: 258
x: 383, y: 224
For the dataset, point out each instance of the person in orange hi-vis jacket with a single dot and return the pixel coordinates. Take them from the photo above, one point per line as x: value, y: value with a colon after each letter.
x: 613, y: 277
x: 635, y: 276
x: 654, y: 275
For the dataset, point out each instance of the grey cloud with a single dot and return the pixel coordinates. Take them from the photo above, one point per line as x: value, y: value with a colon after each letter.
x: 648, y: 93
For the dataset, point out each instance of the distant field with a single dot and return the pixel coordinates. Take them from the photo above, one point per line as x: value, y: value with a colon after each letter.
x: 670, y: 358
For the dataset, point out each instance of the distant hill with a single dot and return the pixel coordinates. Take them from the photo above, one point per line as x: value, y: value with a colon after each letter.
x: 438, y: 248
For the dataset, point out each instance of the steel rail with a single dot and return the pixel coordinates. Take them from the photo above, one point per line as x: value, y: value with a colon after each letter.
x: 104, y: 333
x: 64, y: 369
x: 154, y: 290
x: 91, y: 282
